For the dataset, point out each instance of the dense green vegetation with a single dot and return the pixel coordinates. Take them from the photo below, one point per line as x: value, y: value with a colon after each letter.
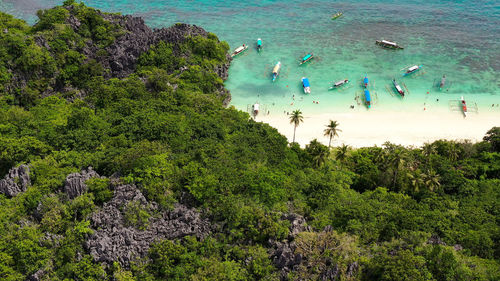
x: 165, y: 129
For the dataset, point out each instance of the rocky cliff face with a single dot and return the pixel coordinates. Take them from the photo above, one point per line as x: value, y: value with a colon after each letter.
x: 16, y: 181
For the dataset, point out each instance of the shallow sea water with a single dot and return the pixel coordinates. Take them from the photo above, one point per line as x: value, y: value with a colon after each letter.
x: 458, y: 38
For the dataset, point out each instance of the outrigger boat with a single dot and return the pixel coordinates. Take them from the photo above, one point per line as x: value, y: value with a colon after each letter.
x: 306, y: 58
x: 368, y: 100
x: 412, y: 69
x: 239, y: 50
x: 388, y: 44
x: 259, y: 45
x: 306, y: 85
x: 339, y: 84
x: 365, y: 82
x: 443, y: 81
x: 464, y: 106
x: 398, y: 88
x: 276, y: 71
x: 255, y: 109
x: 337, y: 15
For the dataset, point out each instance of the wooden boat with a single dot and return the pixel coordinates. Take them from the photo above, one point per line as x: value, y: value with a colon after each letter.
x: 307, y: 58
x: 239, y: 50
x: 365, y: 82
x: 337, y: 15
x: 255, y: 109
x: 339, y: 84
x: 259, y: 45
x: 443, y: 81
x: 398, y: 88
x: 464, y: 106
x: 276, y: 71
x: 412, y: 69
x: 368, y: 100
x: 306, y: 85
x: 388, y: 44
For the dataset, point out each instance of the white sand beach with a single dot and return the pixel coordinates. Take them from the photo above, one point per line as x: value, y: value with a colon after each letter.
x: 368, y: 128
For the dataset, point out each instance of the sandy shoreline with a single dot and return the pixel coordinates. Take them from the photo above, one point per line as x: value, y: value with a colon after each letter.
x: 361, y: 129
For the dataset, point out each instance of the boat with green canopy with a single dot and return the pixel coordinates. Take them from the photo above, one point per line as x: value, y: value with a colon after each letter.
x: 307, y: 58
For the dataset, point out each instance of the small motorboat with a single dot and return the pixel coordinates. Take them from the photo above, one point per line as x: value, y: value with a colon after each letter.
x: 337, y: 15
x: 255, y: 109
x: 388, y: 44
x: 259, y: 45
x: 464, y: 106
x: 365, y: 81
x: 368, y: 100
x: 307, y: 58
x: 306, y: 85
x: 412, y: 69
x: 239, y: 50
x: 398, y: 88
x: 276, y: 71
x: 443, y: 81
x: 339, y: 84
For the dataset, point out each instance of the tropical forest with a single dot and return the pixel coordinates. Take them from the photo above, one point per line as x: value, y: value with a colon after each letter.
x: 121, y: 159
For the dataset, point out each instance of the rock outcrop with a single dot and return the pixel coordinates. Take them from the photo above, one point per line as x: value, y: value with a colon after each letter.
x: 16, y: 181
x: 75, y: 186
x: 124, y: 52
x: 283, y: 255
x: 115, y: 240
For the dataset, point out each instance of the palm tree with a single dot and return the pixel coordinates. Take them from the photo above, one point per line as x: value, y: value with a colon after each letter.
x: 341, y: 154
x: 318, y: 152
x: 431, y: 180
x: 296, y: 118
x: 397, y: 161
x: 331, y: 131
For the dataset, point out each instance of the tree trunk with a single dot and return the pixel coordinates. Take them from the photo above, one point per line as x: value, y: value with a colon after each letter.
x: 294, y: 128
x: 330, y: 141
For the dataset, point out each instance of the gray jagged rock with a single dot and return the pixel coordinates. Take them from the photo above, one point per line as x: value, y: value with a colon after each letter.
x: 75, y: 186
x: 114, y: 240
x: 16, y: 181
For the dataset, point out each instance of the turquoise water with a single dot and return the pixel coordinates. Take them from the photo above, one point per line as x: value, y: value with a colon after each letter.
x: 458, y: 38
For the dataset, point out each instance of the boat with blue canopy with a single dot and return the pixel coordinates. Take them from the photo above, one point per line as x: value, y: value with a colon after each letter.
x: 276, y: 71
x: 306, y: 85
x: 365, y: 81
x: 259, y: 45
x: 368, y: 100
x: 307, y: 58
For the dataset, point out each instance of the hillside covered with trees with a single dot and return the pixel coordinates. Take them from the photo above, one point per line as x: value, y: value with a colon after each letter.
x: 119, y: 160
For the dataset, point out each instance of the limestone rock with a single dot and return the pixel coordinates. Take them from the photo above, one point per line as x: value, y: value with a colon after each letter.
x: 113, y: 240
x: 16, y: 181
x: 75, y: 185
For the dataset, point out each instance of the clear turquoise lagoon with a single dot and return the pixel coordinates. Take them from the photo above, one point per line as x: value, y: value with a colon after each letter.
x: 460, y: 39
